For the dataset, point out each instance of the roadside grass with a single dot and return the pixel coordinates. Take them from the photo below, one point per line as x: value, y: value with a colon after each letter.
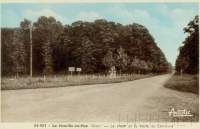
x: 186, y: 83
x: 64, y: 80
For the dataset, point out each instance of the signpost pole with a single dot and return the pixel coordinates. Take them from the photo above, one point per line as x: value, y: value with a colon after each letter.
x: 71, y: 70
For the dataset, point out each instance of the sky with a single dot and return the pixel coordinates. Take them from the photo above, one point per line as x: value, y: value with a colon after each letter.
x: 165, y: 21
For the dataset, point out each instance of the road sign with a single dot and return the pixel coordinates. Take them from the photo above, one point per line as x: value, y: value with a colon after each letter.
x: 71, y: 69
x: 78, y: 69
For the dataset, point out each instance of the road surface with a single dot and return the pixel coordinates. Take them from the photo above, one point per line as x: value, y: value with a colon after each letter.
x: 139, y: 100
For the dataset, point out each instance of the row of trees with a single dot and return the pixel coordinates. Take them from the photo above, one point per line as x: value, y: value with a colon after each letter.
x: 188, y: 58
x: 93, y: 46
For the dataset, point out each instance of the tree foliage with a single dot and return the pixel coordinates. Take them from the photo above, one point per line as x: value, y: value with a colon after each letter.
x: 18, y: 54
x: 93, y: 46
x: 188, y: 58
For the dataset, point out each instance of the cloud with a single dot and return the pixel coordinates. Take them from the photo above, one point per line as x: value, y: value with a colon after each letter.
x: 179, y: 16
x: 182, y: 16
x: 88, y: 16
x: 33, y: 15
x: 128, y: 16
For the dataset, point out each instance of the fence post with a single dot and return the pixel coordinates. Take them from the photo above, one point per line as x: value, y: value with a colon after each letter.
x: 44, y: 78
x: 181, y: 72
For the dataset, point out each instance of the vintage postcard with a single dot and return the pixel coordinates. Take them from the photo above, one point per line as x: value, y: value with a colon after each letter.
x: 99, y: 65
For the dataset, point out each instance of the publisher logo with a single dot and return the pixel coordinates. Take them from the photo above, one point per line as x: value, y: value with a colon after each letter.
x: 180, y: 113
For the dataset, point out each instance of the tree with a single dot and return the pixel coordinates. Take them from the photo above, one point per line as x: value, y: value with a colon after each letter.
x: 122, y: 59
x: 6, y: 50
x: 87, y: 59
x: 62, y: 51
x: 47, y: 58
x: 46, y: 32
x: 25, y: 39
x: 108, y: 60
x: 188, y: 58
x: 18, y: 54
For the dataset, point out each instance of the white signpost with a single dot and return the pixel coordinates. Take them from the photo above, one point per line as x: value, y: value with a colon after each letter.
x: 78, y: 69
x: 71, y: 70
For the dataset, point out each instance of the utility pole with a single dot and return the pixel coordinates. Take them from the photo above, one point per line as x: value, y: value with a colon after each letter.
x: 31, y: 50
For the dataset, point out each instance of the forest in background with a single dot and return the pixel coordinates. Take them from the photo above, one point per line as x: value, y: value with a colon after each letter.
x: 93, y: 46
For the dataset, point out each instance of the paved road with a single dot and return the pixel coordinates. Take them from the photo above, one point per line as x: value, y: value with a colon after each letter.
x: 140, y: 100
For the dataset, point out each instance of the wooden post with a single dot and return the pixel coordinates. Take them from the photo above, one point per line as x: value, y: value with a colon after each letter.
x: 44, y: 78
x: 31, y: 51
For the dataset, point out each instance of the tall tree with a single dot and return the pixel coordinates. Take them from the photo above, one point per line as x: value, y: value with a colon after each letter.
x: 122, y: 59
x: 109, y: 60
x: 25, y: 39
x: 46, y: 32
x: 18, y: 54
x: 6, y: 50
x: 188, y: 58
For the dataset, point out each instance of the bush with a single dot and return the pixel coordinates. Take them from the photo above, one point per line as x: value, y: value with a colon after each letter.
x: 186, y: 83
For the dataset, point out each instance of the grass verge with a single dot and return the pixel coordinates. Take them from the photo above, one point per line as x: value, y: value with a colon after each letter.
x: 186, y: 83
x: 62, y: 81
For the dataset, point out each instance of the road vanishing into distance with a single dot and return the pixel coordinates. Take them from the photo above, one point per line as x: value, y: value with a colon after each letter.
x: 139, y: 100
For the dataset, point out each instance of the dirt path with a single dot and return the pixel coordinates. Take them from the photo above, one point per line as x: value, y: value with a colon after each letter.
x: 140, y: 100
